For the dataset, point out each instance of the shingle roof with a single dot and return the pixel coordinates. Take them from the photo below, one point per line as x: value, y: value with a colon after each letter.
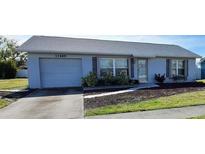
x: 47, y: 44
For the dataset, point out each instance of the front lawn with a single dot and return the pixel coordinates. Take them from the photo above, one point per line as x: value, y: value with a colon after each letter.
x: 3, y: 103
x: 9, y: 84
x: 198, y: 117
x: 167, y: 89
x: 202, y: 81
x: 179, y: 100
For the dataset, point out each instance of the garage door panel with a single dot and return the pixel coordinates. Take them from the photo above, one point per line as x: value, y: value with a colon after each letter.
x: 60, y: 72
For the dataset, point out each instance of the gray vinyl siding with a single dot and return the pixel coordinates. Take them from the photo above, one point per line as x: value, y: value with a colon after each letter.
x: 156, y: 66
x: 192, y: 70
x: 33, y: 71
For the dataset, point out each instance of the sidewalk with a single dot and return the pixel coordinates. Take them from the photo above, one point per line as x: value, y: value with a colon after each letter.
x: 140, y: 86
x: 175, y: 113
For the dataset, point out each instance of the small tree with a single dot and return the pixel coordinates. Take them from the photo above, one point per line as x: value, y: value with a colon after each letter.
x: 8, y: 52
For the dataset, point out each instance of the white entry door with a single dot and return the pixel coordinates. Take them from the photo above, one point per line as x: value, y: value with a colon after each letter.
x: 60, y: 72
x: 142, y: 70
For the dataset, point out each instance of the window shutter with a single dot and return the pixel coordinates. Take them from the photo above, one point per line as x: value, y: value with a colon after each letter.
x: 132, y: 67
x: 168, y: 68
x: 186, y: 68
x: 94, y: 62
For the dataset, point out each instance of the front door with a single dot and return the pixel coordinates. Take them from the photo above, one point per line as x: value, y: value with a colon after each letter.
x: 142, y: 70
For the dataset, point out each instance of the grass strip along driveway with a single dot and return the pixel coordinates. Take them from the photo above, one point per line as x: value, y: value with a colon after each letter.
x: 3, y: 103
x: 179, y: 100
x: 12, y: 84
x: 9, y: 84
x: 198, y: 117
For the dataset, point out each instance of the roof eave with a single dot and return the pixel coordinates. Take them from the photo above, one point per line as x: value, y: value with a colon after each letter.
x: 178, y: 56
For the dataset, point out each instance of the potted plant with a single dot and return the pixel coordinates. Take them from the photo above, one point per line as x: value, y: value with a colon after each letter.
x: 160, y: 78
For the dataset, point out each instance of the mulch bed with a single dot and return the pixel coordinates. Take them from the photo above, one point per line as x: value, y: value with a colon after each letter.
x: 144, y: 94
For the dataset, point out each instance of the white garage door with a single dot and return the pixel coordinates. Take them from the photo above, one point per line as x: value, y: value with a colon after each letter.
x: 60, y: 73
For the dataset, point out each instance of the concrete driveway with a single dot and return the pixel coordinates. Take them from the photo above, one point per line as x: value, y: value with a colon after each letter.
x: 46, y: 104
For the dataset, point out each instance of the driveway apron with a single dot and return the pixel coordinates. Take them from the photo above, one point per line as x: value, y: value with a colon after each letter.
x: 46, y: 104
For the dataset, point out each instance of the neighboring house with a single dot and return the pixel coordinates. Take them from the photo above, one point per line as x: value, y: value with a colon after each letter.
x: 202, y: 68
x: 61, y: 62
x: 22, y: 73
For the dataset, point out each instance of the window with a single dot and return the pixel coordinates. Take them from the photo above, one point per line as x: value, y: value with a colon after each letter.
x: 121, y: 66
x: 178, y: 68
x: 114, y: 67
x: 106, y: 66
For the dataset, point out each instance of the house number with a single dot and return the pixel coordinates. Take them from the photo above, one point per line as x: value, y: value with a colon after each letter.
x: 60, y: 55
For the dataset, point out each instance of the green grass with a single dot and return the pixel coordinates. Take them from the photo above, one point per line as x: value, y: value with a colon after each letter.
x: 8, y: 84
x: 3, y: 103
x: 180, y: 100
x: 198, y: 117
x: 203, y: 81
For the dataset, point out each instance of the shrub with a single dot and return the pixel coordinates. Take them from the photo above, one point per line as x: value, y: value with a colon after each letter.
x: 160, y: 78
x: 90, y: 80
x: 101, y: 82
x: 8, y: 69
x: 122, y: 79
x: 108, y: 80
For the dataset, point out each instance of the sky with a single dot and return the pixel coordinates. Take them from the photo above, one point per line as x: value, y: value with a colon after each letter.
x: 194, y: 43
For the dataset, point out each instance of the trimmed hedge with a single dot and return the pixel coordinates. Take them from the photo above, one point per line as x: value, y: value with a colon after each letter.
x: 8, y: 69
x: 91, y: 80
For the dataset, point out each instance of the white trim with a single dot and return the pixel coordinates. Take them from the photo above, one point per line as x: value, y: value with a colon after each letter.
x: 114, y: 71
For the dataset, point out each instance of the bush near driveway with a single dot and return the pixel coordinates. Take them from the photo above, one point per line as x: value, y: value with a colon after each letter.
x: 9, y: 84
x: 180, y: 100
x: 91, y: 80
x: 8, y: 69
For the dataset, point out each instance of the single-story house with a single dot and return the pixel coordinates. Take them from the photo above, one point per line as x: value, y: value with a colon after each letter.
x: 62, y: 62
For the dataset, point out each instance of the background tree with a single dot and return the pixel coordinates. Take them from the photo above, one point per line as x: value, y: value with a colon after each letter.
x: 8, y: 52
